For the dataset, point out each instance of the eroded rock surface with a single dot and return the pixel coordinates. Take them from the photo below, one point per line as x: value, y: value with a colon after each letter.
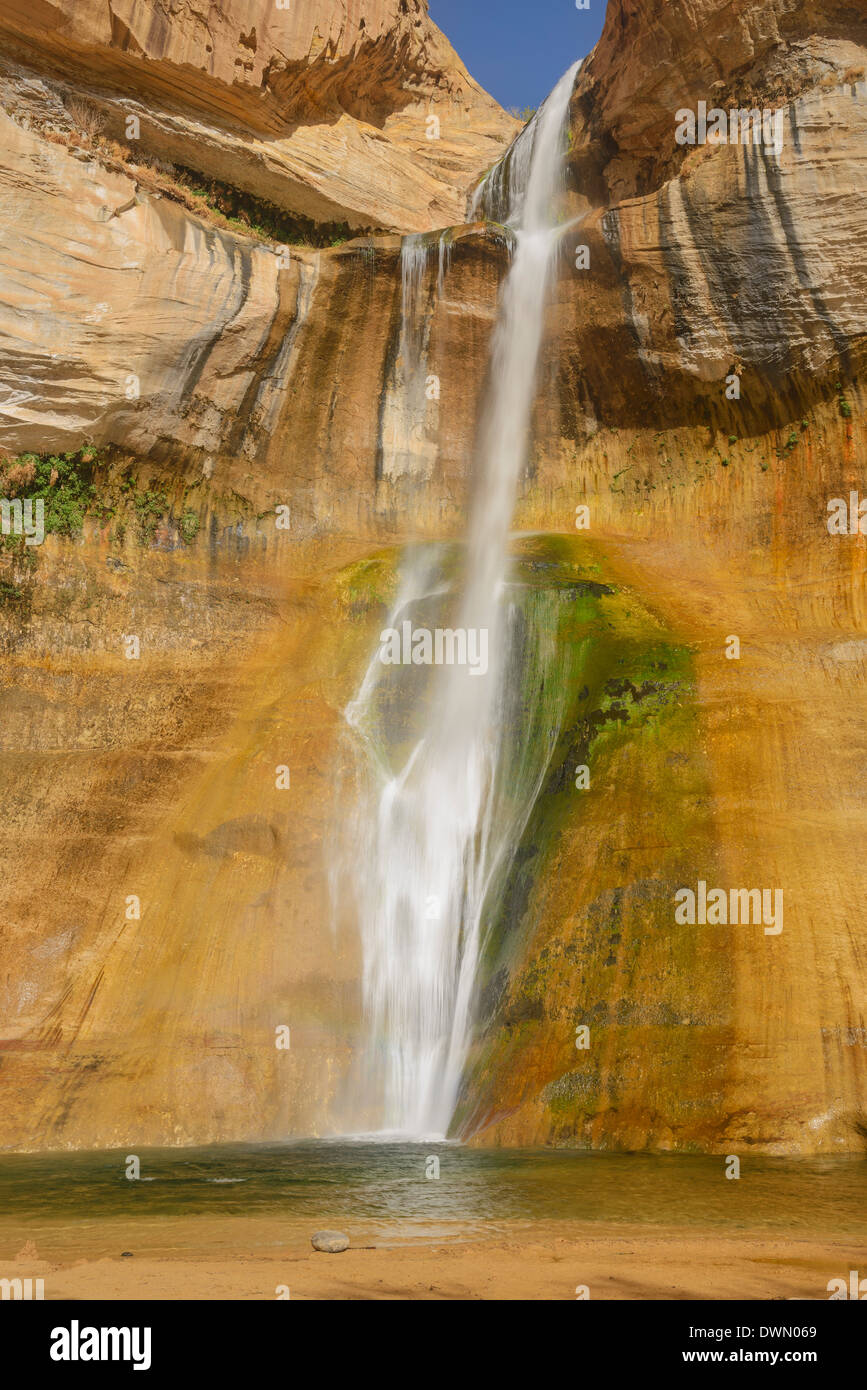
x: 321, y: 109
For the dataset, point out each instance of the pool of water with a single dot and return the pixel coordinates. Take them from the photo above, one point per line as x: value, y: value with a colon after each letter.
x: 389, y: 1193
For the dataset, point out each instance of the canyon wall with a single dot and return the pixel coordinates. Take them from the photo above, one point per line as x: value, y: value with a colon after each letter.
x: 235, y: 405
x: 358, y: 113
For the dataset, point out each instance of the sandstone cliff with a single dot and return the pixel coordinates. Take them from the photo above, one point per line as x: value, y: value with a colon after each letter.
x: 360, y: 114
x: 213, y: 379
x: 651, y: 61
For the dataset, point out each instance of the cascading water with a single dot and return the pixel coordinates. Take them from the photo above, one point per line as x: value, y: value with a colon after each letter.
x: 407, y: 449
x: 448, y: 800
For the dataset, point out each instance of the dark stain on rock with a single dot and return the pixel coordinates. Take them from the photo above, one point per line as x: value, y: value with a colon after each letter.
x: 246, y: 835
x: 799, y: 260
x: 244, y: 272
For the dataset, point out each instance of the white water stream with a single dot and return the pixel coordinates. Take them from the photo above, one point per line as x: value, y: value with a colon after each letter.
x: 439, y: 825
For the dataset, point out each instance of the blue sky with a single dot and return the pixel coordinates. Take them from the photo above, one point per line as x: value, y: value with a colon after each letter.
x: 517, y: 49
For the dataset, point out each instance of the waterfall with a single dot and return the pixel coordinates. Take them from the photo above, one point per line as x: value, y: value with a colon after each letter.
x: 407, y: 431
x: 447, y: 799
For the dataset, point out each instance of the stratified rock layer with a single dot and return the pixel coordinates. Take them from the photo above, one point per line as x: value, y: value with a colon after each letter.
x: 362, y: 114
x: 653, y: 60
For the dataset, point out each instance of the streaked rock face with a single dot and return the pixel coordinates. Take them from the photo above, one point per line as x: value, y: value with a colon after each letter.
x: 140, y: 325
x: 741, y: 262
x: 260, y: 383
x: 652, y: 60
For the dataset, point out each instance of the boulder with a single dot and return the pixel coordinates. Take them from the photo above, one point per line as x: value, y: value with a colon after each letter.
x: 331, y: 1242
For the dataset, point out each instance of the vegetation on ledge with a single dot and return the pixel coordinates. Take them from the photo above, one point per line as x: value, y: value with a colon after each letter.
x: 79, y: 485
x: 219, y: 202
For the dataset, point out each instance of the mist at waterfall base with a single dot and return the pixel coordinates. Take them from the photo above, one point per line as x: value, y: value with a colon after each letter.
x: 446, y: 788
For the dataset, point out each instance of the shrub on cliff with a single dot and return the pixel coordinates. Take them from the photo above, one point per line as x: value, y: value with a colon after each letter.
x: 62, y: 481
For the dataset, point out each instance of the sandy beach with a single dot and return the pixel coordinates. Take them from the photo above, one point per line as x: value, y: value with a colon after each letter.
x: 547, y: 1262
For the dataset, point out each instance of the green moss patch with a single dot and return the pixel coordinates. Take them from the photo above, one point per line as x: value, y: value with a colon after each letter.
x: 580, y: 931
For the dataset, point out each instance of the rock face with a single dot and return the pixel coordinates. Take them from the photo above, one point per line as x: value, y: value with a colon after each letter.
x: 653, y: 60
x: 140, y: 325
x: 208, y: 370
x: 359, y: 114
